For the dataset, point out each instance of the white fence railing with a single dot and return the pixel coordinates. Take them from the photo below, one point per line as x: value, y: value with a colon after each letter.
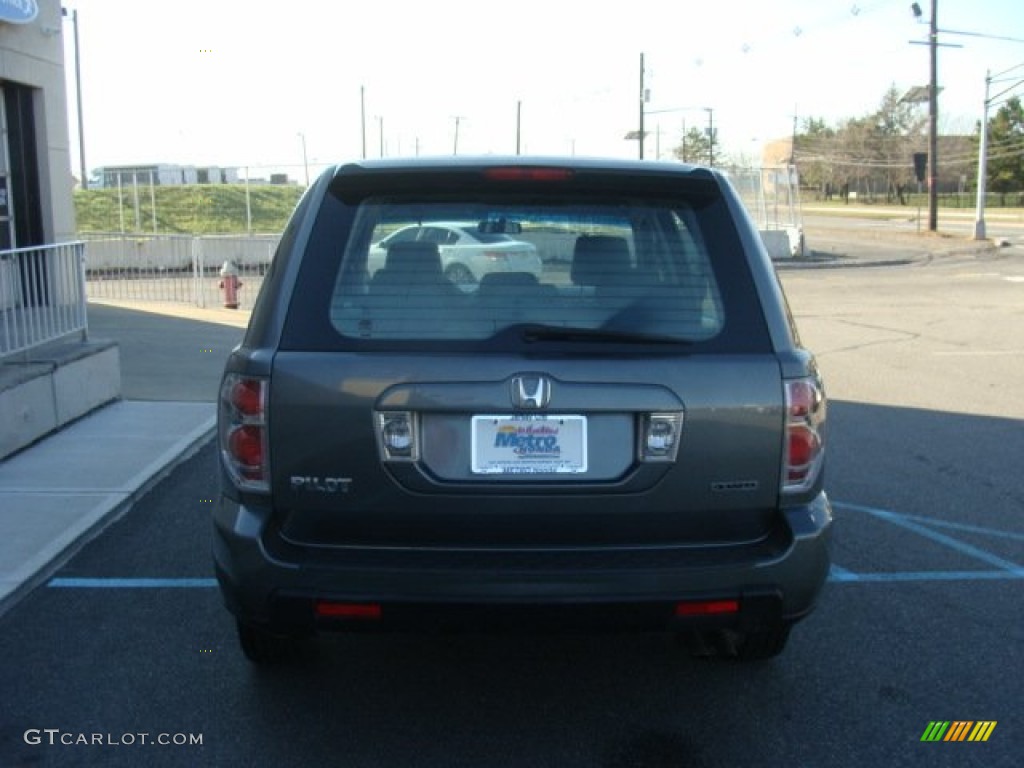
x: 772, y: 198
x: 42, y: 295
x: 176, y: 268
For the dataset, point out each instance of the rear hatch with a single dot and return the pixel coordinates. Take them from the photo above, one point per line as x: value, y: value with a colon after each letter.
x: 335, y: 485
x: 628, y: 397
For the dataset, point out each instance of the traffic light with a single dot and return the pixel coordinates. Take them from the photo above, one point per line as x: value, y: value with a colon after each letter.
x: 920, y: 165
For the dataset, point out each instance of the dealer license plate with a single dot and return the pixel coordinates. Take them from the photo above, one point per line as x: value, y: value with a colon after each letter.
x: 529, y: 444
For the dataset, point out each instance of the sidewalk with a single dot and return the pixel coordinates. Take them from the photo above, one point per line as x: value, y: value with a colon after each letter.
x: 60, y: 492
x: 836, y: 241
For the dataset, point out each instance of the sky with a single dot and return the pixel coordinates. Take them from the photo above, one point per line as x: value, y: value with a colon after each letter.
x: 254, y: 84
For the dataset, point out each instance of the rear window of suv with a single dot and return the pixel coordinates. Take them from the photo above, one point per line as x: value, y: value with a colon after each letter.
x: 494, y: 271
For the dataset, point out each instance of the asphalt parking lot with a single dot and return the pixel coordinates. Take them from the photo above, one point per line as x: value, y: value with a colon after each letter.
x: 922, y: 621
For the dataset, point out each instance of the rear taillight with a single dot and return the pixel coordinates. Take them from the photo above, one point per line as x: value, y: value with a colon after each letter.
x: 242, y: 430
x: 804, y: 451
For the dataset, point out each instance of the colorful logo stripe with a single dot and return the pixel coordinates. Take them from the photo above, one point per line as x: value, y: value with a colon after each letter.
x: 958, y: 730
x: 982, y: 730
x: 935, y: 731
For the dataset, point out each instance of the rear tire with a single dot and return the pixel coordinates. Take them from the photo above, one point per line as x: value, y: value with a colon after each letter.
x: 265, y: 648
x: 460, y: 276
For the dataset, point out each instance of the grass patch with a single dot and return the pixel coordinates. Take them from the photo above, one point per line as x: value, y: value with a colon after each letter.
x: 196, y: 209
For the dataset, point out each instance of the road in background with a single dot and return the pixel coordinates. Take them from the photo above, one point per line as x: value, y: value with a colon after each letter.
x: 897, y: 231
x: 168, y: 351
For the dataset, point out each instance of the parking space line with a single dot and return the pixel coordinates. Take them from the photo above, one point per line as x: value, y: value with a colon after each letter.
x: 117, y: 583
x: 838, y: 573
x: 922, y: 530
x: 843, y: 576
x: 966, y: 528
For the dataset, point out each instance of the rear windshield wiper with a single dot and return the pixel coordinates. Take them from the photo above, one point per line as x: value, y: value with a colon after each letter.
x: 532, y: 333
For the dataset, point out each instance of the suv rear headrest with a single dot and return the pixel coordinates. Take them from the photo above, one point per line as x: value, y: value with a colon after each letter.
x: 418, y: 258
x: 600, y: 260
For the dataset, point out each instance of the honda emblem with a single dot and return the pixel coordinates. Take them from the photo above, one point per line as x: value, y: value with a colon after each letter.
x: 532, y: 392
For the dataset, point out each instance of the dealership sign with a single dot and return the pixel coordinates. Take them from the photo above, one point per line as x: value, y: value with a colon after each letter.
x: 18, y: 11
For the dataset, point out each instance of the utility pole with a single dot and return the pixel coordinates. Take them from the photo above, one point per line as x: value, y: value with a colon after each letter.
x: 519, y: 119
x: 455, y: 148
x: 933, y: 121
x: 641, y: 141
x: 711, y: 138
x: 933, y: 102
x: 792, y: 146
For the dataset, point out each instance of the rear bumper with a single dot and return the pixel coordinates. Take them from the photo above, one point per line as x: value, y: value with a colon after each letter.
x: 267, y: 583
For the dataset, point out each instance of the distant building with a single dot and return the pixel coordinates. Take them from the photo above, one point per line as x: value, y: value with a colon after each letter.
x: 162, y: 174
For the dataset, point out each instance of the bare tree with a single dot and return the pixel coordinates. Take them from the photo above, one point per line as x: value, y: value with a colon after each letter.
x: 871, y: 154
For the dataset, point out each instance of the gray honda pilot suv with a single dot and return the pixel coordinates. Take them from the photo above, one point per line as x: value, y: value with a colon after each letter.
x: 632, y: 439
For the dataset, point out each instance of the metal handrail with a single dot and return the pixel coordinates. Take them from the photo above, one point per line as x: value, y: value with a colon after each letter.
x: 42, y: 296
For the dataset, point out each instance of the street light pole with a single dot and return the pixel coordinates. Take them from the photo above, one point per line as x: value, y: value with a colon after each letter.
x: 641, y: 141
x: 305, y: 161
x: 979, y: 216
x: 362, y: 116
x: 711, y: 136
x: 979, y: 224
x: 78, y: 96
x: 248, y: 205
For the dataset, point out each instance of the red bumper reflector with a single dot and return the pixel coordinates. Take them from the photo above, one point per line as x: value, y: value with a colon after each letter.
x: 707, y: 607
x: 328, y: 609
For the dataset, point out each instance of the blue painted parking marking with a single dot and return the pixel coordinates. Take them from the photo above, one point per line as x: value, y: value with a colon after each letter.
x: 840, y: 575
x: 116, y: 583
x: 923, y: 526
x: 923, y: 530
x: 918, y: 524
x: 964, y: 528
